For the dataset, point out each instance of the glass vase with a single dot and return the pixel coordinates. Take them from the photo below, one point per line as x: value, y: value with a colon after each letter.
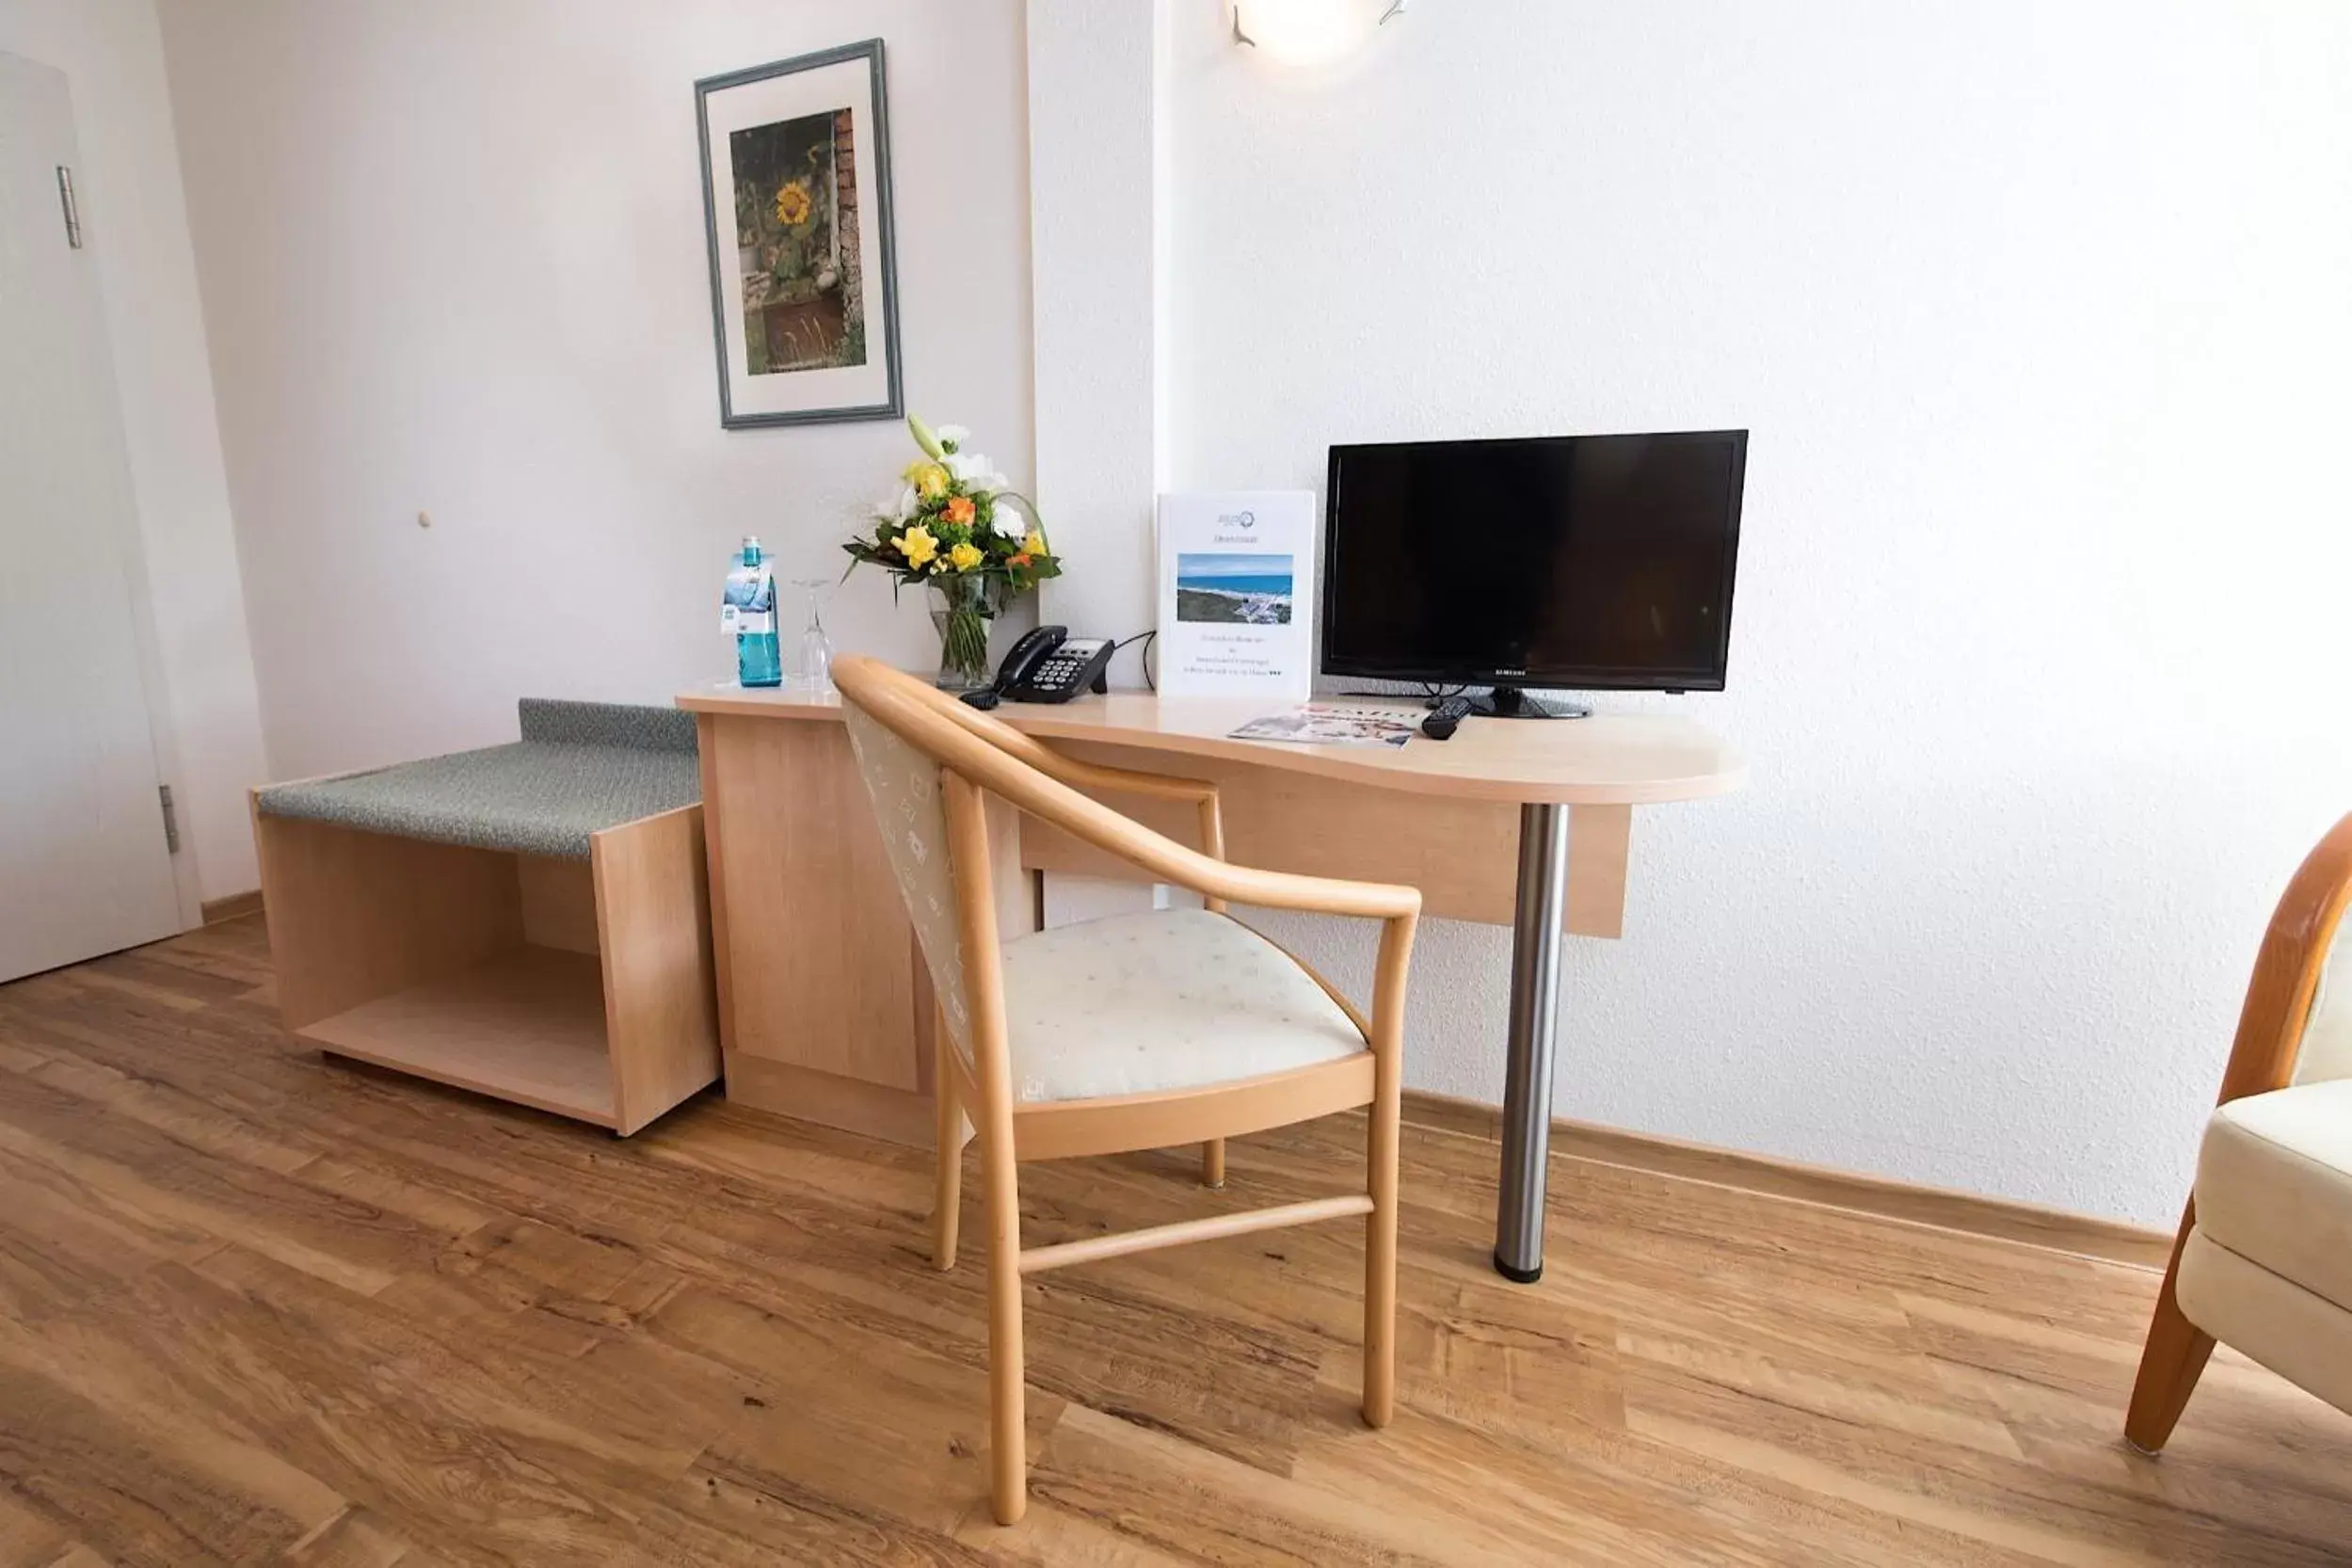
x: 964, y: 610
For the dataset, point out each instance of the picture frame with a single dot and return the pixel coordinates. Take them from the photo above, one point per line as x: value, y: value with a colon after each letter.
x: 803, y: 276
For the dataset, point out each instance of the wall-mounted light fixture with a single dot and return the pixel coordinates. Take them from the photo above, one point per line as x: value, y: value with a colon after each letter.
x: 1310, y: 32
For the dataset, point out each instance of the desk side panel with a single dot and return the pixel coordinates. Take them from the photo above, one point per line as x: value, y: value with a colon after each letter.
x: 894, y: 1115
x: 817, y: 973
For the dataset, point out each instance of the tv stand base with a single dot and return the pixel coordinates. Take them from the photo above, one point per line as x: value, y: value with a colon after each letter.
x: 1510, y: 702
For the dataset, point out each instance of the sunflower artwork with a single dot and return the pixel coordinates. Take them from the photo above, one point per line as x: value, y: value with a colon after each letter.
x: 797, y: 240
x: 797, y: 224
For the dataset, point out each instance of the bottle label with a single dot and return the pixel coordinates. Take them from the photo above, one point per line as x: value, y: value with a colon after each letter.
x: 748, y: 606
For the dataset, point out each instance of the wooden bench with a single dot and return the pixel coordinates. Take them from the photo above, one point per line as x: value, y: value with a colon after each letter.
x: 528, y: 920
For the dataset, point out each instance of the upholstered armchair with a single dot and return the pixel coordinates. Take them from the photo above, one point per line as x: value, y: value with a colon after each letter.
x: 1150, y: 1030
x: 2265, y: 1256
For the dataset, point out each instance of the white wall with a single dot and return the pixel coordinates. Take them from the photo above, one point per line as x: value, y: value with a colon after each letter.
x: 1099, y: 271
x: 136, y: 223
x: 2036, y: 312
x: 453, y: 261
x: 1098, y: 257
x: 2040, y: 316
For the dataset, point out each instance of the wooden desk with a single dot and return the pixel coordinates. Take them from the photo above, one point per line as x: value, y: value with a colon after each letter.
x: 824, y: 1007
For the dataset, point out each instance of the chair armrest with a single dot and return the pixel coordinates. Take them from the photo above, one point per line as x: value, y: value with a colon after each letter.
x: 1314, y: 895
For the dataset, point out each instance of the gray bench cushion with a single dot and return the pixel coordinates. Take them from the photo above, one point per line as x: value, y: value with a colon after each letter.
x: 580, y: 767
x: 606, y: 724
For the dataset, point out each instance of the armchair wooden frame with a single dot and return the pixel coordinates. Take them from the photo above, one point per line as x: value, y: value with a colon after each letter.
x: 2263, y: 1057
x: 981, y: 758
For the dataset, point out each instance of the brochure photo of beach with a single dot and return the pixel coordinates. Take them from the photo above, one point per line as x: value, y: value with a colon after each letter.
x: 1246, y: 590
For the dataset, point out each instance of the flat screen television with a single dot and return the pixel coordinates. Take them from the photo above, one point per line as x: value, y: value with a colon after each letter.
x: 1583, y: 562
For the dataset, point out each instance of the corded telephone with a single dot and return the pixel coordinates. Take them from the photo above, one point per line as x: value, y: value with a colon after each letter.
x: 1048, y: 666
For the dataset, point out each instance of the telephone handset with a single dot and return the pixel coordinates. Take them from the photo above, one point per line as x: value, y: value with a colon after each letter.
x: 1048, y: 666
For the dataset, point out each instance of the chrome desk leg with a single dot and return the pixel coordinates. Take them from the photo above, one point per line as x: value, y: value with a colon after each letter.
x: 1534, y: 1013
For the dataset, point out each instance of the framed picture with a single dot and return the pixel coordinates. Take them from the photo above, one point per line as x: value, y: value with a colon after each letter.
x: 796, y: 200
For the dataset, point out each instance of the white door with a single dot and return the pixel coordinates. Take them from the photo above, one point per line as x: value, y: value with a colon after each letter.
x: 83, y: 868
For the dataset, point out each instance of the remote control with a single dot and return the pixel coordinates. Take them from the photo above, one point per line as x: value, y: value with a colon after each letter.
x: 1442, y: 719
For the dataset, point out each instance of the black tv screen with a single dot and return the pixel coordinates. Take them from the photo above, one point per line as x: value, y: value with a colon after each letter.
x: 1569, y: 561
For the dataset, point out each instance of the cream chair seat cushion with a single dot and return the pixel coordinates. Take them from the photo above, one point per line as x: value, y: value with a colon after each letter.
x: 2274, y: 1185
x: 2302, y: 1337
x: 1172, y: 999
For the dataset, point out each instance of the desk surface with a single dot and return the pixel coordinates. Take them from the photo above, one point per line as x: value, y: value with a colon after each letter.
x: 1609, y: 758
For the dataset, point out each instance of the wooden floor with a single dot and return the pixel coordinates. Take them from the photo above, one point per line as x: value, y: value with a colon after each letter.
x: 258, y: 1309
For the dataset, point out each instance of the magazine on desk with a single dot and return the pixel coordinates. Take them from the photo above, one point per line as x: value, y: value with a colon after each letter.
x: 1346, y: 724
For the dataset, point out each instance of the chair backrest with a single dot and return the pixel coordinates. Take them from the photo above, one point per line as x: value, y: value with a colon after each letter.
x: 2327, y: 1052
x: 904, y: 782
x: 908, y: 737
x: 2295, y: 1026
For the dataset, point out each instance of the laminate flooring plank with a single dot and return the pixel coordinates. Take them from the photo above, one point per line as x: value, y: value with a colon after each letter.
x: 135, y: 1504
x: 29, y: 1538
x: 353, y: 1538
x: 259, y: 1307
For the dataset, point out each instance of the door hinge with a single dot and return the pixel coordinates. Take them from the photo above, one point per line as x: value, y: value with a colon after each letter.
x: 71, y: 208
x: 171, y: 820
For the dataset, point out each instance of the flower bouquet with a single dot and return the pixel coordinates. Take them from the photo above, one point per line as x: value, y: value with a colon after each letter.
x: 957, y: 527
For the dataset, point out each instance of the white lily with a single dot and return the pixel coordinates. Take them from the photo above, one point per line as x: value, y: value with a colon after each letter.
x: 951, y: 437
x: 891, y: 508
x: 1010, y: 523
x: 977, y: 473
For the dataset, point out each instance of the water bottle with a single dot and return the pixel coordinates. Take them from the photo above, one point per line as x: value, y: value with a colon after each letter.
x: 749, y: 610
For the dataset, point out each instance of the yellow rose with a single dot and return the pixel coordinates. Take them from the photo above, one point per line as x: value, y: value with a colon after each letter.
x: 929, y: 479
x: 917, y: 546
x: 964, y: 556
x: 1035, y: 543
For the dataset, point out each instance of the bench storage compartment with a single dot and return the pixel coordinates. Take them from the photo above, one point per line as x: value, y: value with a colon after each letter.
x: 530, y: 921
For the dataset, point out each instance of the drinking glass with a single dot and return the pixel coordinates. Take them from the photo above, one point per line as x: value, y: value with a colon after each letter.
x: 812, y: 655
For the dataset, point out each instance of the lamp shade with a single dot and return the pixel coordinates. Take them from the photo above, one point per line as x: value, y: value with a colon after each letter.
x: 1309, y: 32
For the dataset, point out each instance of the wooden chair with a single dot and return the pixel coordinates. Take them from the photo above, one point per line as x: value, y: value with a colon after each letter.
x: 2264, y: 1260
x: 1136, y: 1031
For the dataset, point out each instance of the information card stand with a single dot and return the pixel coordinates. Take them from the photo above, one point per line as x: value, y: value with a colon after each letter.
x: 1236, y: 594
